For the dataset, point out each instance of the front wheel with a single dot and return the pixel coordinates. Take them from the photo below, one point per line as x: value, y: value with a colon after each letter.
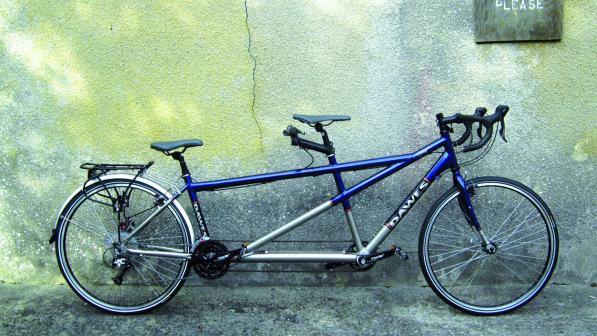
x: 471, y: 278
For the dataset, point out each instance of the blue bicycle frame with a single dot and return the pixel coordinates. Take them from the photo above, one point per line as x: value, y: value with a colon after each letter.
x: 392, y: 165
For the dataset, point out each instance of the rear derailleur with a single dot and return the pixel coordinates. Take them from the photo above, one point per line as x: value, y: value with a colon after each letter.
x: 122, y: 264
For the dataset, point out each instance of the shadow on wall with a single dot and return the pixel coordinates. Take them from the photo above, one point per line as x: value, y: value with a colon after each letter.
x: 88, y: 82
x: 79, y: 81
x: 82, y: 82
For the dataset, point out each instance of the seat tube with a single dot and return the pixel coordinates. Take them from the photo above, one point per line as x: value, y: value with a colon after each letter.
x: 192, y: 195
x: 346, y: 205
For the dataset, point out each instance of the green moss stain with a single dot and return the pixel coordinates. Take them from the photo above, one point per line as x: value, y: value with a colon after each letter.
x: 565, y: 74
x: 81, y: 81
x: 99, y: 81
x: 587, y: 147
x: 127, y: 74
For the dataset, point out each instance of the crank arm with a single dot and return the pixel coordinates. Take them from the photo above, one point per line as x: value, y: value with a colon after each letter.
x: 381, y: 255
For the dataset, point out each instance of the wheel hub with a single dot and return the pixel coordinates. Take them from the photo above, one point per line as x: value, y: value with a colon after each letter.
x: 490, y: 248
x: 115, y: 255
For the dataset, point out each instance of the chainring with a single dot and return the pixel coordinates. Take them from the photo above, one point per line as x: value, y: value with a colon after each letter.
x: 204, y: 260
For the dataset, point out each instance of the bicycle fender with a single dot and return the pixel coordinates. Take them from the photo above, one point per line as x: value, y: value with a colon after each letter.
x: 151, y: 183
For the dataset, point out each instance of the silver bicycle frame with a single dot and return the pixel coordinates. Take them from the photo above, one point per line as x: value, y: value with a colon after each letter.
x: 251, y: 255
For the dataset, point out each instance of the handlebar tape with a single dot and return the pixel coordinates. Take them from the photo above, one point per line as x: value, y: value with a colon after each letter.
x: 487, y: 123
x: 306, y: 144
x: 479, y: 111
x: 484, y: 122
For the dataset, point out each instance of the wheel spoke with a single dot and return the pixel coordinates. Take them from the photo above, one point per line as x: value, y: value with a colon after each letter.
x: 100, y: 222
x: 530, y: 266
x: 457, y: 229
x: 468, y: 262
x: 506, y: 247
x: 87, y: 228
x: 150, y: 281
x: 138, y: 271
x: 477, y: 280
x: 161, y: 275
x: 506, y: 220
x: 472, y: 278
x: 518, y: 227
x: 525, y: 228
x: 448, y: 245
x: 516, y: 274
x: 452, y: 254
x: 459, y: 265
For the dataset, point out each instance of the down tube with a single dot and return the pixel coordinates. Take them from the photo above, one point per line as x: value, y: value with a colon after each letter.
x: 442, y: 163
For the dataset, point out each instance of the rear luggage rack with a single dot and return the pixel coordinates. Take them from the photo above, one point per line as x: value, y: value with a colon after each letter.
x: 98, y: 169
x: 95, y: 170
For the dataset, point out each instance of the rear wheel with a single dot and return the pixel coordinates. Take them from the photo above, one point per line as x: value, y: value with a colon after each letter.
x: 471, y: 277
x: 93, y: 259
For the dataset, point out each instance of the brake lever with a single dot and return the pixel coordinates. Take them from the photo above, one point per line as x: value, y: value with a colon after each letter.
x: 480, y: 111
x: 480, y: 130
x: 502, y: 130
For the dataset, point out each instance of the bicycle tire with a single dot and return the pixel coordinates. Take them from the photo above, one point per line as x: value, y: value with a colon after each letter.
x: 526, y: 256
x: 87, y: 230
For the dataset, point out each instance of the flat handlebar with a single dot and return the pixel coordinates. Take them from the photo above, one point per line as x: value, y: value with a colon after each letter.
x: 296, y: 140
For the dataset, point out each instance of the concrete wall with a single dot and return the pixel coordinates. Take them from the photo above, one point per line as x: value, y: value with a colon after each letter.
x: 98, y: 82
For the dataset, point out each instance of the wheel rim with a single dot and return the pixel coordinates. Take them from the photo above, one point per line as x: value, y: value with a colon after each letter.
x: 477, y: 281
x: 85, y: 252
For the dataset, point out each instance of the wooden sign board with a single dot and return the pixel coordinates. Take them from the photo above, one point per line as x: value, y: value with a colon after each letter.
x: 518, y: 20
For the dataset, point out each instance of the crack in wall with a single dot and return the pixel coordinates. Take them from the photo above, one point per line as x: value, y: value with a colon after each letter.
x: 253, y: 113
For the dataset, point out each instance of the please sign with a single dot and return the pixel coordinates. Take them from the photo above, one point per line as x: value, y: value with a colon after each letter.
x: 518, y: 20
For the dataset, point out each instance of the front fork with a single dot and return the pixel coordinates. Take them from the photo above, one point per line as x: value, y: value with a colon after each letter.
x: 464, y: 201
x: 464, y: 197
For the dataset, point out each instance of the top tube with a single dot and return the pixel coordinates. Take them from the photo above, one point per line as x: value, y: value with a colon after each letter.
x: 316, y: 171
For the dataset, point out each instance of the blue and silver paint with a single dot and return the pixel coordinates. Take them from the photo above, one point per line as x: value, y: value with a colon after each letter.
x: 390, y: 164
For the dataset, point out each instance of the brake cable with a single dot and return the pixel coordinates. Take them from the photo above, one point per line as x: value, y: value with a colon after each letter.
x: 482, y: 155
x: 312, y: 158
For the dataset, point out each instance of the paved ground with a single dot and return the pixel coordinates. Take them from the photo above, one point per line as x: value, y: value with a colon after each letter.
x: 55, y: 310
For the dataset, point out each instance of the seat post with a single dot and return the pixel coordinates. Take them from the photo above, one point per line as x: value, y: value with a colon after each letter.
x: 324, y: 135
x: 183, y: 165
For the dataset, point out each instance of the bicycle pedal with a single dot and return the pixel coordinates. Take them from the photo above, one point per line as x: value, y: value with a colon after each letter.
x: 401, y: 254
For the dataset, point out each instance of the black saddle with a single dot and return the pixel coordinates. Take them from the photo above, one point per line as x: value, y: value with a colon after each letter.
x: 313, y: 119
x: 168, y: 146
